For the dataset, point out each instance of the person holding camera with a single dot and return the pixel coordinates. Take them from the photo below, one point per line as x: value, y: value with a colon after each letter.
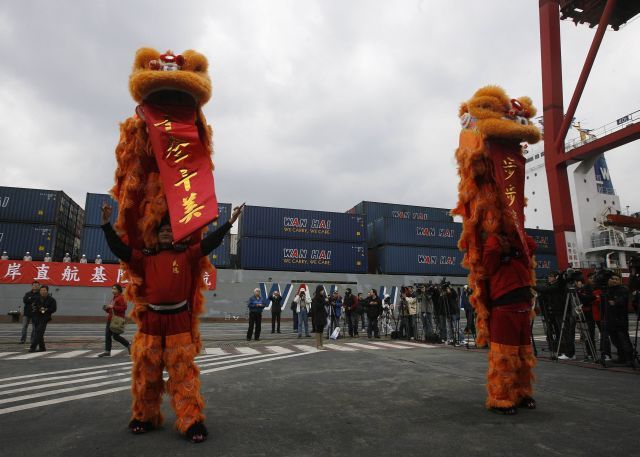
x: 28, y: 301
x: 465, y: 303
x: 373, y: 309
x: 42, y: 309
x: 117, y: 307
x: 335, y: 309
x: 361, y: 302
x: 302, y: 306
x: 408, y: 312
x: 256, y: 305
x: 276, y: 310
x: 424, y: 299
x: 552, y: 296
x: 618, y: 319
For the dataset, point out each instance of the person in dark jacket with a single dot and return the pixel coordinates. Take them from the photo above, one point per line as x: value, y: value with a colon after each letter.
x: 28, y: 301
x: 373, y: 309
x: 351, y: 312
x: 319, y: 313
x: 117, y: 307
x: 552, y: 296
x: 256, y: 305
x: 276, y: 310
x: 42, y: 309
x: 588, y: 303
x: 618, y: 320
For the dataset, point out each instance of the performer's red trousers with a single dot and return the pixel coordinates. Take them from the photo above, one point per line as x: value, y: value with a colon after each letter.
x: 511, y: 358
x: 164, y: 341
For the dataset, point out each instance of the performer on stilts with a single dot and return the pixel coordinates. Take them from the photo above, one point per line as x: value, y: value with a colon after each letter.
x: 166, y: 198
x: 498, y: 253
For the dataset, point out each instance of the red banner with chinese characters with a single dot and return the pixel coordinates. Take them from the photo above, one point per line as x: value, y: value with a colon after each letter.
x: 72, y: 274
x: 185, y: 167
x: 509, y: 169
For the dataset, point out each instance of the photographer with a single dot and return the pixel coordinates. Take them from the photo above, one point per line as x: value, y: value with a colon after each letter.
x: 618, y: 319
x: 408, y: 311
x: 441, y: 310
x: 276, y: 309
x: 424, y: 299
x: 465, y: 303
x: 335, y: 309
x: 28, y: 301
x: 302, y: 304
x: 319, y: 313
x: 453, y: 314
x: 552, y: 296
x: 373, y: 309
x: 589, y: 304
x: 352, y: 314
x: 42, y: 309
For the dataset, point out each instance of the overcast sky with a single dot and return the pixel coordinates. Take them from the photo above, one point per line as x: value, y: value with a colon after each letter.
x: 316, y: 104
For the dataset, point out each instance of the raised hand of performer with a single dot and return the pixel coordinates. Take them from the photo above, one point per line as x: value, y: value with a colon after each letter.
x: 236, y: 213
x: 106, y: 212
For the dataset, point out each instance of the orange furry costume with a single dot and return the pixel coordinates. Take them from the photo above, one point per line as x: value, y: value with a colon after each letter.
x: 168, y: 340
x: 498, y: 254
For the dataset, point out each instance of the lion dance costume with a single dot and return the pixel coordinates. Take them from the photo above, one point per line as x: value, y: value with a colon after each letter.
x: 498, y: 253
x: 165, y: 285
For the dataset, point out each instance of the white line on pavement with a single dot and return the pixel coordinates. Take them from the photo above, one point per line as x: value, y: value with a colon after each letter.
x: 61, y: 391
x: 68, y: 355
x: 251, y: 362
x: 62, y: 383
x: 215, y: 351
x: 279, y: 350
x: 363, y: 346
x: 4, y: 354
x: 305, y: 348
x: 247, y: 351
x: 114, y: 352
x: 30, y: 355
x: 337, y: 347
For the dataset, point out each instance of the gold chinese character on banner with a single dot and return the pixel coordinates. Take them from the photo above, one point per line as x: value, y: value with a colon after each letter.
x: 176, y: 150
x: 166, y: 123
x: 186, y: 177
x: 509, y: 166
x: 191, y: 208
x: 510, y: 193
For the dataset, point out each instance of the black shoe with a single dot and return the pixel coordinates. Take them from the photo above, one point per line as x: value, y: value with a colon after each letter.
x: 257, y: 339
x: 272, y: 331
x: 105, y: 354
x: 248, y: 339
x: 42, y: 350
x: 279, y: 331
x: 22, y: 342
x: 32, y: 350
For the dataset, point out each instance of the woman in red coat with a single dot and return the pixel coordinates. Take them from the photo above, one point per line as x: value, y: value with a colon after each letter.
x: 118, y: 307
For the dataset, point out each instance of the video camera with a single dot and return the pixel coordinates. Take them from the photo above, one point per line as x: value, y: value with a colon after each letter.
x: 570, y: 276
x: 444, y: 284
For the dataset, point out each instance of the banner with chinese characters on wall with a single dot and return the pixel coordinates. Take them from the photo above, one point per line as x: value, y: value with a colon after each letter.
x: 71, y: 274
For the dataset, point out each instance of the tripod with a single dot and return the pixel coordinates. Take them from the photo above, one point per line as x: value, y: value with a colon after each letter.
x: 576, y: 307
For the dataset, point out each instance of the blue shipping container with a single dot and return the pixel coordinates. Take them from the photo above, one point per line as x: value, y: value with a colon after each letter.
x: 50, y: 207
x: 261, y: 221
x: 545, y: 240
x: 373, y: 211
x: 414, y: 260
x: 545, y: 265
x: 416, y: 233
x: 17, y: 239
x: 93, y: 209
x: 302, y: 255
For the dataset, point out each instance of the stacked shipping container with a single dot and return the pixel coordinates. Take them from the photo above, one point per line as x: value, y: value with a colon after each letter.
x: 423, y: 241
x: 302, y: 240
x: 39, y: 221
x: 94, y: 242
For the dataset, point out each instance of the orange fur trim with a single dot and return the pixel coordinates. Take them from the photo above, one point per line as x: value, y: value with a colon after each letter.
x: 526, y: 377
x: 480, y: 203
x: 147, y: 385
x: 502, y: 376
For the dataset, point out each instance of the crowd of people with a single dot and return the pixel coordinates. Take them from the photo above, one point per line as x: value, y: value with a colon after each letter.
x: 48, y: 258
x: 603, y: 304
x: 427, y: 312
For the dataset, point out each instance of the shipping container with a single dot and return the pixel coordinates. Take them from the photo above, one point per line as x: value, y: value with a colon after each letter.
x: 39, y: 206
x: 266, y: 222
x: 415, y: 233
x: 545, y: 264
x: 545, y: 240
x: 38, y: 239
x: 302, y: 255
x: 93, y: 209
x: 373, y: 211
x: 416, y: 260
x: 94, y: 243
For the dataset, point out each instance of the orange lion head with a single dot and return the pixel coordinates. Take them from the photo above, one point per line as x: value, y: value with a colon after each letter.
x: 181, y: 79
x: 494, y: 115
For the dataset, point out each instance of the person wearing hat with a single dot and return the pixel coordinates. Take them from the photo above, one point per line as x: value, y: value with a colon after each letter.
x: 66, y: 258
x: 83, y: 259
x: 47, y: 258
x: 4, y: 256
x: 27, y: 257
x: 98, y: 260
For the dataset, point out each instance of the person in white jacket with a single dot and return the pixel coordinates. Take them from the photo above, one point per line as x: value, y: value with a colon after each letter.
x: 303, y: 305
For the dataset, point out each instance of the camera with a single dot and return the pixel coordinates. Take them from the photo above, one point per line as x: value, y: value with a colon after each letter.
x: 570, y: 276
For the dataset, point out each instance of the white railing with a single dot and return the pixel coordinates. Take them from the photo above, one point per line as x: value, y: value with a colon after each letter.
x: 606, y: 129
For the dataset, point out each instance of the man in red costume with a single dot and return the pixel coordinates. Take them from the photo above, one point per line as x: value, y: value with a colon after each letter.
x: 164, y: 337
